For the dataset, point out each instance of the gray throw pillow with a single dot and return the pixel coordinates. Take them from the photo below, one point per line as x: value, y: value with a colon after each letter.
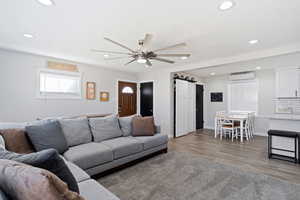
x: 104, y: 128
x: 76, y: 131
x: 47, y: 159
x: 46, y: 136
x: 126, y: 125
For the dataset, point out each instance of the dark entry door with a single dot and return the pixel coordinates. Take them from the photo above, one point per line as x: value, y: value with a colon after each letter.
x: 199, y: 106
x: 127, y: 98
x: 146, y: 91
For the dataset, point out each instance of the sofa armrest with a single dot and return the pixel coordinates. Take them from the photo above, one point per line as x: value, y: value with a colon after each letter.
x: 157, y: 129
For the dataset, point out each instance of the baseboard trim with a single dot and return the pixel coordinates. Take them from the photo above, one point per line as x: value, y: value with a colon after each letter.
x: 209, y: 127
x: 261, y: 134
x: 256, y: 133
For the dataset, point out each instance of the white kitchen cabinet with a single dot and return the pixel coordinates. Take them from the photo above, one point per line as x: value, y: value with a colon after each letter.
x: 288, y: 83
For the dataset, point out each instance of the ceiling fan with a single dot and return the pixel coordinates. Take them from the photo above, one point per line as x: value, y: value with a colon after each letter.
x: 143, y: 55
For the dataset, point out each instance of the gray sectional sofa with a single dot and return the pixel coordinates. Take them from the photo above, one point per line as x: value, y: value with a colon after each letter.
x: 94, y: 148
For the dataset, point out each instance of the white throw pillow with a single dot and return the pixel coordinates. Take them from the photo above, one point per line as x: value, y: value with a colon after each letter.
x: 2, y: 142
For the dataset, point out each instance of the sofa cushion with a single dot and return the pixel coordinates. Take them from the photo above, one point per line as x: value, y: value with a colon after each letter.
x: 152, y: 141
x: 143, y: 126
x: 24, y: 182
x: 126, y: 125
x: 124, y: 146
x: 89, y: 155
x: 76, y: 131
x: 47, y: 159
x: 92, y: 190
x: 78, y: 173
x: 104, y: 128
x: 16, y: 140
x: 47, y: 135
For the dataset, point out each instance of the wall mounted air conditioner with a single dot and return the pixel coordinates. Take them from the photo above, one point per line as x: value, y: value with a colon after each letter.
x: 242, y: 76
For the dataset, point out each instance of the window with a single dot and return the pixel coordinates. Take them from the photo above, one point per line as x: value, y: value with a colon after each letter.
x: 127, y: 90
x: 243, y: 96
x: 57, y: 84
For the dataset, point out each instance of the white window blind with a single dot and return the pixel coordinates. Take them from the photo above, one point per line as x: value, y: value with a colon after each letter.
x: 59, y: 84
x: 243, y: 96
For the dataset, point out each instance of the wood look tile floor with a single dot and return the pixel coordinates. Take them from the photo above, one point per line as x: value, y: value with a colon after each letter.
x: 250, y: 155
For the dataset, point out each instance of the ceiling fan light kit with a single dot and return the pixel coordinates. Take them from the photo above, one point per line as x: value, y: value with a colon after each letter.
x: 143, y: 55
x: 141, y: 60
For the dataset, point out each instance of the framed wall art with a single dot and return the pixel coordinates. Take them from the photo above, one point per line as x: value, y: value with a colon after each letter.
x: 216, y: 97
x: 90, y: 90
x: 104, y: 96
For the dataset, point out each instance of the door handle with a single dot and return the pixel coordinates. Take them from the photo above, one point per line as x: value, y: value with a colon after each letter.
x: 296, y: 93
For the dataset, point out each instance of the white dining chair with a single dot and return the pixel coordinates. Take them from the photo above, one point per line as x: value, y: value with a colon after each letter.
x: 219, y: 118
x: 247, y: 127
x: 228, y: 129
x: 252, y: 124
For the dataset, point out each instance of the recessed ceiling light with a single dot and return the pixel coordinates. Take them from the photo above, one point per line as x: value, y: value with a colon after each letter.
x: 213, y: 73
x: 46, y: 2
x: 28, y: 35
x: 226, y: 5
x: 253, y: 41
x: 258, y: 68
x: 184, y: 57
x: 105, y: 56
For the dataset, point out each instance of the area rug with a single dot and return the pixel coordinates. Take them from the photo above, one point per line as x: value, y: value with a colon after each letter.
x: 182, y: 176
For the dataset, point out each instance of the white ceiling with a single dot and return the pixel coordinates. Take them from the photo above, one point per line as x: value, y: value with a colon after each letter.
x: 71, y: 28
x: 269, y: 63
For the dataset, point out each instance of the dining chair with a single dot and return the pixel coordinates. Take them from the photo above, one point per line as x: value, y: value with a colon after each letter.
x: 252, y: 124
x: 228, y: 129
x: 247, y: 127
x: 219, y: 118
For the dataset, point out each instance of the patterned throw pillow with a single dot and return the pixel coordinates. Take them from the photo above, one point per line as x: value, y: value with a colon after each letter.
x: 23, y: 182
x: 47, y: 159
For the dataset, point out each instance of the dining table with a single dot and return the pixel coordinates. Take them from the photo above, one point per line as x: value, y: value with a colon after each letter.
x: 241, y: 118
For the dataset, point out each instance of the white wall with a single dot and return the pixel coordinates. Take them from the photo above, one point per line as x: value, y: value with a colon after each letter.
x: 163, y: 102
x: 266, y: 94
x: 18, y: 102
x: 163, y: 98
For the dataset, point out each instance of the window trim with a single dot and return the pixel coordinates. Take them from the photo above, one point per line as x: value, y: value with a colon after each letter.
x: 54, y: 95
x: 129, y: 91
x: 229, y: 95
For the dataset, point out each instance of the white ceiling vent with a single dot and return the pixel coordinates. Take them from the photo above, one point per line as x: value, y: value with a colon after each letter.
x: 242, y: 76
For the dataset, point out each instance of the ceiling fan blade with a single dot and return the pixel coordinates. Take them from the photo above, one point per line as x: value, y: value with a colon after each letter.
x: 173, y: 55
x: 119, y: 44
x: 171, y: 47
x: 146, y: 42
x: 163, y: 60
x: 112, y: 52
x: 148, y: 63
x: 130, y: 61
x: 117, y: 58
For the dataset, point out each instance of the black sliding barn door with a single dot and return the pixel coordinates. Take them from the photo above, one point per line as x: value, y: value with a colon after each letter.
x: 199, y: 107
